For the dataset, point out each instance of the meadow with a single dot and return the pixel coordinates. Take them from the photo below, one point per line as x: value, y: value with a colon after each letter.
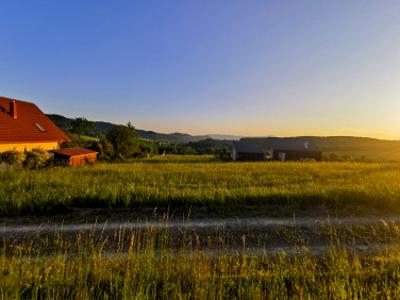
x: 241, y: 263
x: 140, y: 264
x: 200, y: 181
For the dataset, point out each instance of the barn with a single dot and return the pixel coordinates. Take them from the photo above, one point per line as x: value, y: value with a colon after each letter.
x: 74, y: 156
x: 273, y: 148
x: 23, y: 127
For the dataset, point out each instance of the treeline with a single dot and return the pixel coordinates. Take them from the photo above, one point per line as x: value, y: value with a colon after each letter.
x: 219, y: 148
x: 122, y: 142
x: 119, y: 143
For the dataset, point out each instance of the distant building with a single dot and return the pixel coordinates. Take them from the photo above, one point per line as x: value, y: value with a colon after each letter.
x: 74, y: 156
x: 245, y: 151
x: 272, y: 148
x: 23, y: 127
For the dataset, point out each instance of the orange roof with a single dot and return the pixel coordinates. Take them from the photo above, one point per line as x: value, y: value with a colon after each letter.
x: 73, y: 151
x: 28, y: 125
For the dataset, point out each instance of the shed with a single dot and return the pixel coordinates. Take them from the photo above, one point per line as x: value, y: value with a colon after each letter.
x: 74, y: 156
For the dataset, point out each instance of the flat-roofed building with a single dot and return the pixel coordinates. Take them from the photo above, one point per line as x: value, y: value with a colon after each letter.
x: 274, y: 148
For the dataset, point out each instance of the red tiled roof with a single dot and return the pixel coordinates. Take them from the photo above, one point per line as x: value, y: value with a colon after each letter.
x: 73, y: 151
x: 30, y: 125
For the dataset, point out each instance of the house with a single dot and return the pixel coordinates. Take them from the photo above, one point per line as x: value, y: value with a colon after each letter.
x: 273, y: 148
x: 23, y: 127
x: 74, y: 156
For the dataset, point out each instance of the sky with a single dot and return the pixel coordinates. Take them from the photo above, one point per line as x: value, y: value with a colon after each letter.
x: 239, y: 67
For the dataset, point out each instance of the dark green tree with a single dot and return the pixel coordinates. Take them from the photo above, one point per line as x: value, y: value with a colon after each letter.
x: 124, y: 140
x: 82, y: 126
x: 104, y: 148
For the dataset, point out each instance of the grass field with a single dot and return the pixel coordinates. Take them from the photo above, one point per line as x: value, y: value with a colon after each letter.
x: 151, y: 263
x: 193, y: 181
x: 127, y: 266
x: 374, y: 155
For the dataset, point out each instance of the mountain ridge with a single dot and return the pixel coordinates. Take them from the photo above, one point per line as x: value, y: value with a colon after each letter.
x: 325, y: 143
x: 177, y: 137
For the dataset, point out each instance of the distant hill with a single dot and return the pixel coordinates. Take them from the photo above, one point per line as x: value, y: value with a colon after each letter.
x: 344, y: 146
x: 353, y: 143
x: 177, y: 138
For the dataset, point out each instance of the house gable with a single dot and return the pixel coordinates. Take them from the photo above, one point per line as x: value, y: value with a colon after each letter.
x: 23, y: 123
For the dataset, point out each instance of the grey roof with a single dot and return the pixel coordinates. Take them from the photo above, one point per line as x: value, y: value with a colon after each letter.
x: 246, y: 147
x: 261, y: 145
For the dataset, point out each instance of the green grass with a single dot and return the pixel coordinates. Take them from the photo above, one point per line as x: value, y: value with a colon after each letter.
x: 145, y: 264
x: 176, y: 158
x: 89, y: 267
x: 200, y: 181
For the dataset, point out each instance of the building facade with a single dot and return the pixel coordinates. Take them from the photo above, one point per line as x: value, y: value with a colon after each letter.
x: 272, y: 148
x: 74, y: 156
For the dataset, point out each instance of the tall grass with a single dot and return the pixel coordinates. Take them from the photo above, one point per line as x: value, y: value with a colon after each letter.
x: 128, y: 266
x: 206, y: 183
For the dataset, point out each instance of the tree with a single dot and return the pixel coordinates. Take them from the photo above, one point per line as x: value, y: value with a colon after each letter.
x: 123, y: 139
x: 82, y: 126
x: 104, y: 148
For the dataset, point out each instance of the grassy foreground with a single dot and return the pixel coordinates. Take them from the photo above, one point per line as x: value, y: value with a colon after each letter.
x: 127, y: 266
x: 146, y: 276
x: 195, y: 182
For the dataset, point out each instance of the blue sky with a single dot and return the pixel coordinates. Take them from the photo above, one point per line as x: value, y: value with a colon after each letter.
x: 209, y: 66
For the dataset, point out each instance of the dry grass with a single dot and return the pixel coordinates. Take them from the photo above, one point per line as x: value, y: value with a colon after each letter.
x: 127, y: 266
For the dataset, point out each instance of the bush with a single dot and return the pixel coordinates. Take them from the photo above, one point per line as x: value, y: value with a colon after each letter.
x: 37, y: 159
x: 146, y: 148
x: 104, y: 148
x: 332, y: 157
x: 176, y: 149
x: 223, y: 153
x: 13, y: 158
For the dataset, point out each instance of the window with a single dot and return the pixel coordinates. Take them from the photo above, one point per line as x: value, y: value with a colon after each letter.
x: 38, y: 126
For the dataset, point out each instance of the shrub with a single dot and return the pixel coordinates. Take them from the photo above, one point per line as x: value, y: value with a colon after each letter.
x: 37, y: 159
x: 146, y: 148
x: 13, y: 158
x: 331, y: 157
x: 104, y: 148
